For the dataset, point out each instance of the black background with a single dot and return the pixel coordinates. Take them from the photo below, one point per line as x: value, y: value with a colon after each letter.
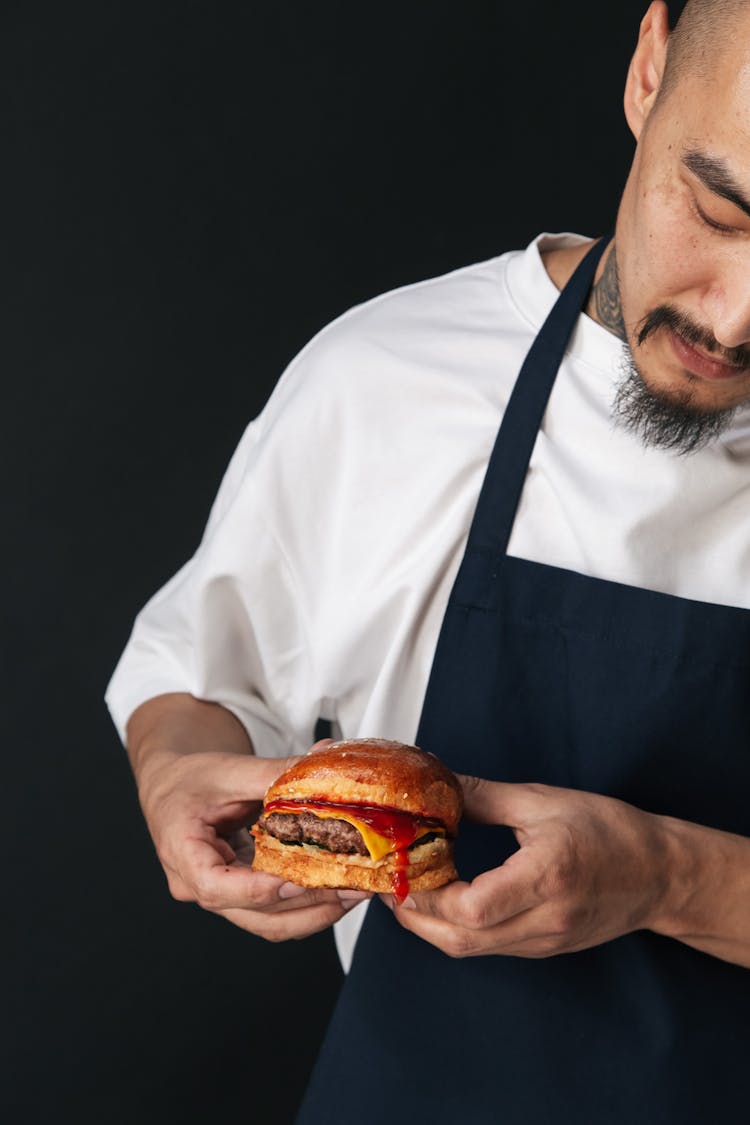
x: 192, y: 190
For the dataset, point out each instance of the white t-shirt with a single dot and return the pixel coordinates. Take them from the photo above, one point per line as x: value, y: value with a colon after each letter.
x: 320, y: 584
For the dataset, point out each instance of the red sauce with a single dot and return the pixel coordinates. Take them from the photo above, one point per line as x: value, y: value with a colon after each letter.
x: 401, y: 828
x: 399, y: 878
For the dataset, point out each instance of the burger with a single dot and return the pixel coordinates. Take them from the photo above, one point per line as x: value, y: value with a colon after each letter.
x: 367, y: 814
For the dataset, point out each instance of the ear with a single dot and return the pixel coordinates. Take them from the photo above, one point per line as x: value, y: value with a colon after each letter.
x: 647, y: 66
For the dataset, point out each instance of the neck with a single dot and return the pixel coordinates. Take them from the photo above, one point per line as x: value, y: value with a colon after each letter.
x: 603, y: 304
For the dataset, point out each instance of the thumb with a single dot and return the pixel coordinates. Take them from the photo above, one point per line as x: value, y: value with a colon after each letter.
x: 248, y: 777
x: 496, y: 802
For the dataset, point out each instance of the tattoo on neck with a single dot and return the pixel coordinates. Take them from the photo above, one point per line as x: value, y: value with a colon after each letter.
x: 604, y: 302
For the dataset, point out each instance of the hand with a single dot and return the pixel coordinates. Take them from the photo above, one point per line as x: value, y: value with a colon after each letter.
x: 198, y: 808
x: 589, y: 869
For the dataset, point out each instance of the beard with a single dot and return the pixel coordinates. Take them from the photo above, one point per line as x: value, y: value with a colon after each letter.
x: 662, y: 422
x: 673, y: 421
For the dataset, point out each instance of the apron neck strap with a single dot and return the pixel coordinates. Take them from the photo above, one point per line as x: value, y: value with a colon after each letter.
x: 509, y: 462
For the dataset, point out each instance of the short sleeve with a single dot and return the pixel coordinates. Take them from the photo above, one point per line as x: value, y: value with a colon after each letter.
x: 319, y: 584
x: 232, y: 625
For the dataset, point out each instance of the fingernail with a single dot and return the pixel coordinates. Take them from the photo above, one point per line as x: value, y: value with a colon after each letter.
x: 352, y: 897
x: 391, y: 903
x: 290, y: 890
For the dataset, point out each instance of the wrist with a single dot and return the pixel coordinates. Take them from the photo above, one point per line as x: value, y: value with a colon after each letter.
x: 685, y: 871
x: 169, y: 728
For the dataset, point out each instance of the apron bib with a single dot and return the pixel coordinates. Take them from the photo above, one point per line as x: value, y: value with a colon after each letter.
x: 542, y: 674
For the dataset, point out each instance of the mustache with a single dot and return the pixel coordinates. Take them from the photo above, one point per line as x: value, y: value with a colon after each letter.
x: 664, y: 316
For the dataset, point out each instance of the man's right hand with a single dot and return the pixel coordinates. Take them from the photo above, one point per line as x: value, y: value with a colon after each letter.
x: 198, y: 806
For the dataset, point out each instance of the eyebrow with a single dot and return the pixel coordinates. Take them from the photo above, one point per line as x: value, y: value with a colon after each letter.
x: 714, y: 174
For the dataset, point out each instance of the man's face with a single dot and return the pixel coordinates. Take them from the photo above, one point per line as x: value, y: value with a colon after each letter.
x: 683, y: 242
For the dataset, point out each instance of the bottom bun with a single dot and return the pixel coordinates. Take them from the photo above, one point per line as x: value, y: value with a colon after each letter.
x: 430, y: 866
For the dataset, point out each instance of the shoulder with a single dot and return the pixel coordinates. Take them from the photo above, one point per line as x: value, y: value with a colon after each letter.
x: 452, y: 296
x: 397, y: 334
x: 372, y: 397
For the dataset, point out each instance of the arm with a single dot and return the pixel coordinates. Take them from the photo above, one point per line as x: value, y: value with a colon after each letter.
x: 589, y: 869
x: 200, y: 786
x: 708, y: 904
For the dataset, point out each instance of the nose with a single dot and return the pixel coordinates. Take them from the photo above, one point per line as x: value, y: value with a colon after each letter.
x: 727, y: 310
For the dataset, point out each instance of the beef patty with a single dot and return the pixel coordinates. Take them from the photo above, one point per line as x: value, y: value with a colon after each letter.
x: 306, y: 828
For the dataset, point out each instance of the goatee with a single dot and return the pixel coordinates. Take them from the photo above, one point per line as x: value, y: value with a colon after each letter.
x: 671, y: 422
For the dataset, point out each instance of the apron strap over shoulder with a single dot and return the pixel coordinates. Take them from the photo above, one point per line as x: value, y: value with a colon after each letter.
x: 509, y: 462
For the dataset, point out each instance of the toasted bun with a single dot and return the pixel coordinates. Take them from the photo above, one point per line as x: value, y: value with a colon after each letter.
x: 377, y: 773
x: 431, y: 866
x: 374, y: 771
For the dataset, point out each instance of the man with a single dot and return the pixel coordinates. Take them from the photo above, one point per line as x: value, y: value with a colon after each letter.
x: 577, y: 641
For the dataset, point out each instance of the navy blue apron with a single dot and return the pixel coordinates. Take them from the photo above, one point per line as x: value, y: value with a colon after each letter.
x: 542, y: 674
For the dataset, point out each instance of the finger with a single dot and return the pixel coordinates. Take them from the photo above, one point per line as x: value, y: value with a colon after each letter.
x: 286, y: 926
x: 491, y: 898
x: 542, y: 931
x: 292, y: 897
x: 246, y: 781
x: 525, y: 935
x: 201, y: 874
x: 243, y: 846
x: 320, y: 745
x: 478, y: 907
x: 178, y: 888
x: 220, y: 886
x: 216, y: 884
x: 452, y: 939
x: 502, y: 802
x: 351, y: 898
x: 247, y: 778
x: 225, y: 850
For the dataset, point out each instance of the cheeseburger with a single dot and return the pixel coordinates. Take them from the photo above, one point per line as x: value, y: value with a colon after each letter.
x: 367, y: 814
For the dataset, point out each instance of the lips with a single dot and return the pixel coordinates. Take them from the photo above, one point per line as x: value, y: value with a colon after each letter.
x: 701, y: 364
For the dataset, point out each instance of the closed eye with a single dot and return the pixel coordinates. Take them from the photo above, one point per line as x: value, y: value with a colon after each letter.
x: 707, y: 221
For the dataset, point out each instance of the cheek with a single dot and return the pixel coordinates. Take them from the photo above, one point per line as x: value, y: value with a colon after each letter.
x: 660, y: 263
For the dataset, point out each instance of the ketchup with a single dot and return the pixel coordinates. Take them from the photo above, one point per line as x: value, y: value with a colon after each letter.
x: 399, y: 878
x: 401, y: 828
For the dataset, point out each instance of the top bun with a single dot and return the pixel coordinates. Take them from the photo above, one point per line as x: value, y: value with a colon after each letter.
x: 374, y: 771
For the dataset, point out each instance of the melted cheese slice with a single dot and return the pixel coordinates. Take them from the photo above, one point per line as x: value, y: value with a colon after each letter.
x: 376, y: 844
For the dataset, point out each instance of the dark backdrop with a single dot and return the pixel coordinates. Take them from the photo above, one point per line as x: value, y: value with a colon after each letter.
x: 192, y: 190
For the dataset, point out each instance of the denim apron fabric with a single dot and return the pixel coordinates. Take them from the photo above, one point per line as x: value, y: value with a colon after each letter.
x: 543, y: 674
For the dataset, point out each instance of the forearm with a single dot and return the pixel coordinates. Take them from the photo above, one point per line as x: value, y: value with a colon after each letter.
x: 175, y: 725
x: 707, y: 901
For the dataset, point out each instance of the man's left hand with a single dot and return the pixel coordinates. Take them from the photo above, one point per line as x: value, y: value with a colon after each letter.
x: 589, y: 869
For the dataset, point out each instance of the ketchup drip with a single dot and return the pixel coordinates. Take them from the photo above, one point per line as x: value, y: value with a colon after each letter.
x: 399, y: 878
x: 400, y: 828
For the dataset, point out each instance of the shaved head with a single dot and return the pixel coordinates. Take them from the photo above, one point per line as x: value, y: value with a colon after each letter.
x: 703, y: 32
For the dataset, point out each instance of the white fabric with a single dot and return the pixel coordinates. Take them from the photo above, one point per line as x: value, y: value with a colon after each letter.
x: 323, y: 575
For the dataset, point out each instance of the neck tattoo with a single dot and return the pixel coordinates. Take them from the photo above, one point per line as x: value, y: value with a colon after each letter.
x: 604, y: 300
